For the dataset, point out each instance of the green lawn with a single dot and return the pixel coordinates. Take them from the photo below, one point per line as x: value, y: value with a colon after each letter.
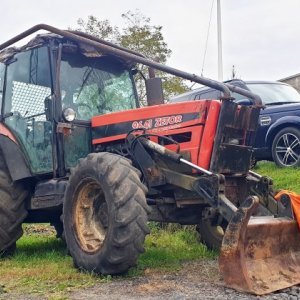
x: 41, y: 265
x: 283, y: 178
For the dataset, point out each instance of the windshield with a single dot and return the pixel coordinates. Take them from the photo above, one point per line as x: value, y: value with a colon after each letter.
x: 95, y: 86
x: 273, y: 93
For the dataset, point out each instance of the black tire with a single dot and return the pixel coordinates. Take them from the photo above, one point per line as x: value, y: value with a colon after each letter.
x: 105, y: 214
x: 59, y: 228
x: 211, y: 234
x: 286, y: 147
x: 12, y: 211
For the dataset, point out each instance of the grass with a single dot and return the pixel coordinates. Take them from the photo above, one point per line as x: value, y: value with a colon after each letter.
x: 41, y: 265
x: 283, y: 178
x: 165, y: 250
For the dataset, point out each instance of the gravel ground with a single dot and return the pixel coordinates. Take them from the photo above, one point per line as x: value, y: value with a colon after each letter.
x: 195, y: 280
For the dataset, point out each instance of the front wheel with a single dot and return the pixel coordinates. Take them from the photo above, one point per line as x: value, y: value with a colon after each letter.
x: 105, y: 214
x: 286, y: 147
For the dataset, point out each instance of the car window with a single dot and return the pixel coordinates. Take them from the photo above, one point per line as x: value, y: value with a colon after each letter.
x: 211, y: 94
x: 274, y: 93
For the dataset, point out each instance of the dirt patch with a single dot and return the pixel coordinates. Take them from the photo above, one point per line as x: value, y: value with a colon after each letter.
x: 40, y: 229
x: 195, y: 280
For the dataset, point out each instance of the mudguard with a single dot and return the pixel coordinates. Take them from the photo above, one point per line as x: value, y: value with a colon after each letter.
x: 14, y: 158
x: 287, y: 121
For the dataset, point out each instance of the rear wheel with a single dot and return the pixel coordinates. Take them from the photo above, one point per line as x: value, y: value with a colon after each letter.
x: 211, y: 232
x: 286, y: 147
x: 105, y: 214
x: 12, y: 211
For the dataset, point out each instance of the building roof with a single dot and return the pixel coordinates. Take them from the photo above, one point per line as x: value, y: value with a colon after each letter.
x: 290, y: 77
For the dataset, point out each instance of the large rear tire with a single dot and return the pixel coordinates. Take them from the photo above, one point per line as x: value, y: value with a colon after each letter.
x: 12, y: 211
x: 211, y: 233
x: 105, y: 214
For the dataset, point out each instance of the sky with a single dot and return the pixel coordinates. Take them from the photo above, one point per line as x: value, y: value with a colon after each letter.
x: 261, y: 38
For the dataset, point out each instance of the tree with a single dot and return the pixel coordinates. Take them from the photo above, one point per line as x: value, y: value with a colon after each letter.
x: 100, y: 28
x: 139, y: 35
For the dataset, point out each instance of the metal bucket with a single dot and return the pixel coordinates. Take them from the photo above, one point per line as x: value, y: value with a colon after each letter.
x: 260, y: 255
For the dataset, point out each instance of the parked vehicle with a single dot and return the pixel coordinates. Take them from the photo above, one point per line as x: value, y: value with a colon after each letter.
x: 77, y: 151
x: 278, y: 134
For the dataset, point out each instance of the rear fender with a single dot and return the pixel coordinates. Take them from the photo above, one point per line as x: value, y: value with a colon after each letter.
x: 14, y: 157
x: 288, y: 121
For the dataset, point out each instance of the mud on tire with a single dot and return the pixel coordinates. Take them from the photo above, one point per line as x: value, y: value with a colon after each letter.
x: 12, y: 211
x: 105, y: 214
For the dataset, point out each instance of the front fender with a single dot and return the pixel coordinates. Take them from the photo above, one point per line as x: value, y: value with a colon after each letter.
x: 288, y: 121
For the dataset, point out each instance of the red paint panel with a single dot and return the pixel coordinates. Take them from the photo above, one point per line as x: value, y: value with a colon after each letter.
x: 159, y: 119
x: 5, y: 131
x: 202, y: 127
x: 191, y: 146
x: 209, y: 133
x: 152, y: 112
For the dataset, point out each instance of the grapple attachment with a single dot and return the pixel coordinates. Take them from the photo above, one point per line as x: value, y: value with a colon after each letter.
x: 260, y: 255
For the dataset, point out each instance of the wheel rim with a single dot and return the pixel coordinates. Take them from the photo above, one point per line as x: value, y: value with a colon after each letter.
x: 288, y: 149
x: 90, y: 216
x: 216, y: 230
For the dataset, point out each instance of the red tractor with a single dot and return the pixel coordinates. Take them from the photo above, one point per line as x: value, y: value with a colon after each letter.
x: 78, y: 152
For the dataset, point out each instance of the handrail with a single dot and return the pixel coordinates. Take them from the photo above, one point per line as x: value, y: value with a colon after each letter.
x: 110, y: 48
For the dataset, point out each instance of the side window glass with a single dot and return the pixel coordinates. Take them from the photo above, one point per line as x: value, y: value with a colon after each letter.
x: 197, y: 97
x: 212, y: 94
x: 28, y: 84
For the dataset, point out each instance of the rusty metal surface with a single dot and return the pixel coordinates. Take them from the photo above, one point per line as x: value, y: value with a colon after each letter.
x: 262, y: 254
x: 90, y: 220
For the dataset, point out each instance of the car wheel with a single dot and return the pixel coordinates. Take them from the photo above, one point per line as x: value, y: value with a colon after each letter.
x: 286, y: 147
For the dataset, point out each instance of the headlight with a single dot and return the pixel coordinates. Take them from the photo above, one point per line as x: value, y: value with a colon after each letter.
x: 69, y: 114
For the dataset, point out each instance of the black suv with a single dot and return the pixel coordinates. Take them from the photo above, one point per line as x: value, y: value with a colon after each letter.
x: 278, y: 135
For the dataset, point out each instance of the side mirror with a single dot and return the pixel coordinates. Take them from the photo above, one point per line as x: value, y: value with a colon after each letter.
x: 154, y: 91
x: 49, y: 110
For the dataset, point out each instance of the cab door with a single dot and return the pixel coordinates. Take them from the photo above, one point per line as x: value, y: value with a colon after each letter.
x: 28, y: 84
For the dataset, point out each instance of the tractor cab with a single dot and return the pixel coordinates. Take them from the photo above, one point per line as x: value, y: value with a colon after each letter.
x: 50, y: 82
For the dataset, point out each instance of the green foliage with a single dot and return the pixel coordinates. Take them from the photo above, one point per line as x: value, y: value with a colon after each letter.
x: 99, y: 28
x: 139, y: 35
x: 166, y: 250
x: 173, y: 85
x: 283, y: 178
x: 42, y: 266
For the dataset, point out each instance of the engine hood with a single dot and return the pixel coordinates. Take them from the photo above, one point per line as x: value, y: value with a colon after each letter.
x: 155, y: 119
x: 283, y: 108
